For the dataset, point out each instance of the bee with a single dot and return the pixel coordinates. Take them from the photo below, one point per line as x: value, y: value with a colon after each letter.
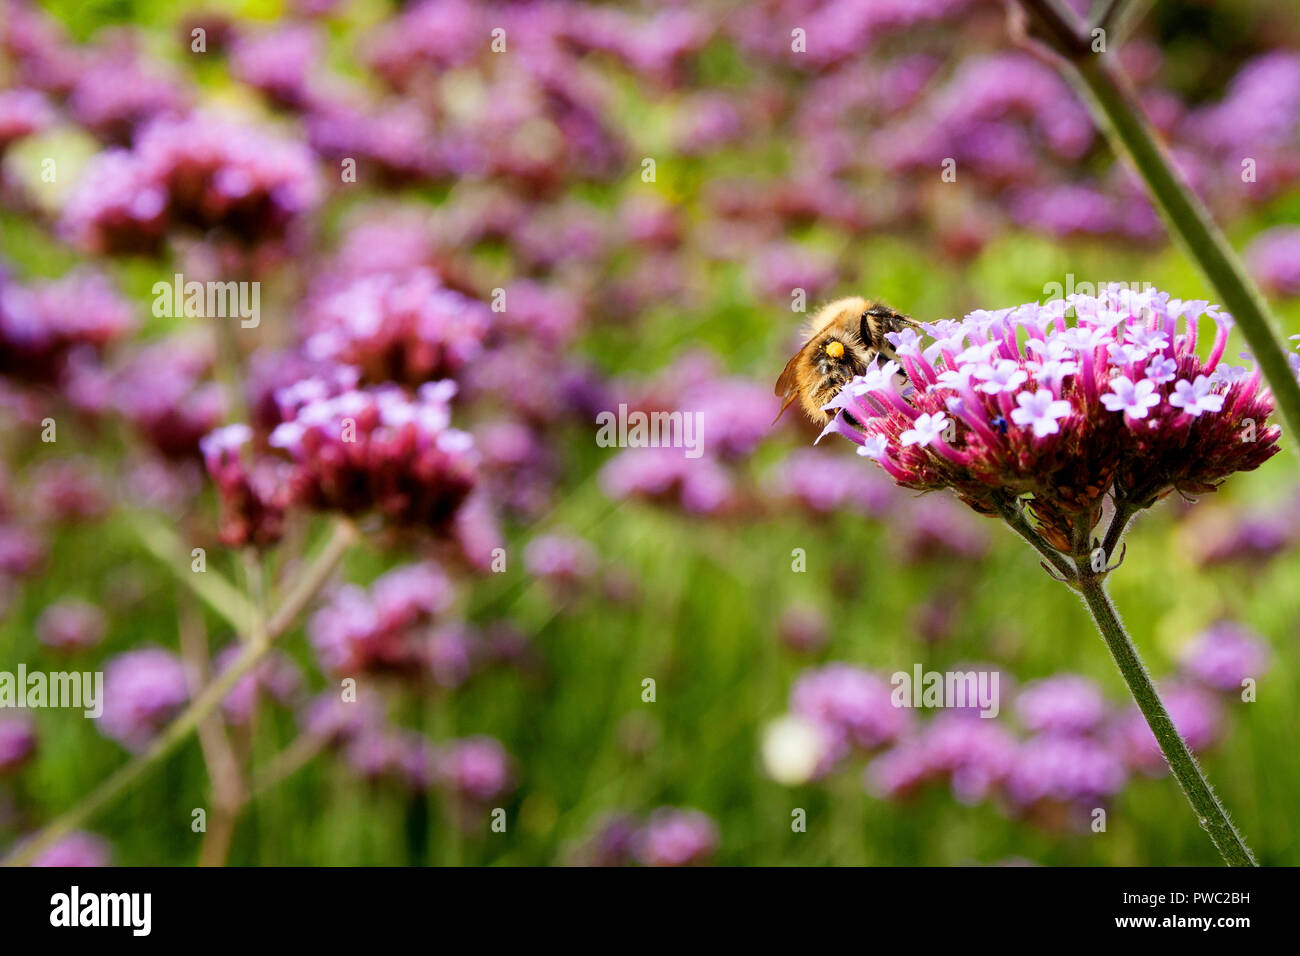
x: 844, y: 338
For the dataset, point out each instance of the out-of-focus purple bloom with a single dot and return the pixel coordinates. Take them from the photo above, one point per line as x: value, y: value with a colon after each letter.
x: 853, y: 706
x: 408, y: 328
x: 825, y: 483
x: 560, y: 558
x: 17, y: 741
x: 162, y: 393
x: 239, y: 183
x: 279, y: 63
x: 71, y: 626
x: 79, y: 849
x: 972, y: 754
x: 1068, y: 769
x: 275, y: 676
x: 675, y: 837
x: 117, y: 93
x: 1274, y: 258
x: 698, y: 485
x: 475, y: 768
x: 143, y: 690
x: 68, y: 490
x: 334, y: 720
x: 42, y: 323
x: 22, y: 551
x: 383, y: 628
x: 1224, y: 655
x: 22, y: 113
x: 611, y: 844
x: 254, y: 497
x: 1062, y: 704
x: 377, y: 449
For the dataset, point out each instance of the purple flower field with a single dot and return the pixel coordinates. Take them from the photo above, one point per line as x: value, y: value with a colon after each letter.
x: 391, y: 471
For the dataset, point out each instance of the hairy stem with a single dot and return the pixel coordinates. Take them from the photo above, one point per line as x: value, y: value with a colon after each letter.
x: 1015, y: 518
x: 251, y: 653
x: 1209, y: 811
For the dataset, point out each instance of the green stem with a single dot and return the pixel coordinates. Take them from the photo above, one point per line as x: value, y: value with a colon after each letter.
x: 207, y: 701
x: 1015, y: 518
x: 1209, y: 811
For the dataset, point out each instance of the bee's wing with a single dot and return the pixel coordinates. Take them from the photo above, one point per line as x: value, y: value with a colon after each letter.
x: 787, y: 386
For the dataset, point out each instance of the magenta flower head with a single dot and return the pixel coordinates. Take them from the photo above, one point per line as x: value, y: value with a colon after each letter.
x: 476, y: 768
x: 1224, y: 655
x: 143, y: 690
x: 673, y: 837
x: 385, y: 628
x: 1062, y: 704
x: 198, y: 173
x: 254, y: 496
x: 70, y: 626
x: 852, y: 706
x: 377, y: 449
x: 1061, y: 403
x: 1071, y: 770
x: 402, y: 328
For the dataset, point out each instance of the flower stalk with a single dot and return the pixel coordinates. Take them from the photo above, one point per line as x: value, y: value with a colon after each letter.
x: 254, y: 649
x: 1209, y: 811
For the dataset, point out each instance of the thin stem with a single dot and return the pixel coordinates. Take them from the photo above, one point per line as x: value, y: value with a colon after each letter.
x: 251, y: 653
x: 1121, y: 116
x: 1014, y: 517
x: 1209, y: 811
x: 210, y: 586
x: 1118, y: 524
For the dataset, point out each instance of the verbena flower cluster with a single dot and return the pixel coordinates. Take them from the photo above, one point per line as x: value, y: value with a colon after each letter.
x: 1064, y: 402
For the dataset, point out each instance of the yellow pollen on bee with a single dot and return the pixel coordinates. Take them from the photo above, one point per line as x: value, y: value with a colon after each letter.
x: 835, y: 349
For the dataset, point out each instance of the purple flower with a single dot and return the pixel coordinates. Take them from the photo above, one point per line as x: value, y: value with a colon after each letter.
x: 1041, y: 410
x: 143, y: 690
x: 275, y: 676
x: 1196, y: 397
x: 377, y: 449
x: 17, y: 741
x: 70, y: 626
x: 1274, y: 257
x: 971, y: 753
x: 852, y: 705
x: 1064, y: 769
x: 1133, y: 399
x: 673, y: 837
x: 1148, y: 450
x: 476, y: 768
x: 1224, y: 655
x: 560, y: 558
x: 1062, y: 704
x: 383, y: 629
x: 78, y: 849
